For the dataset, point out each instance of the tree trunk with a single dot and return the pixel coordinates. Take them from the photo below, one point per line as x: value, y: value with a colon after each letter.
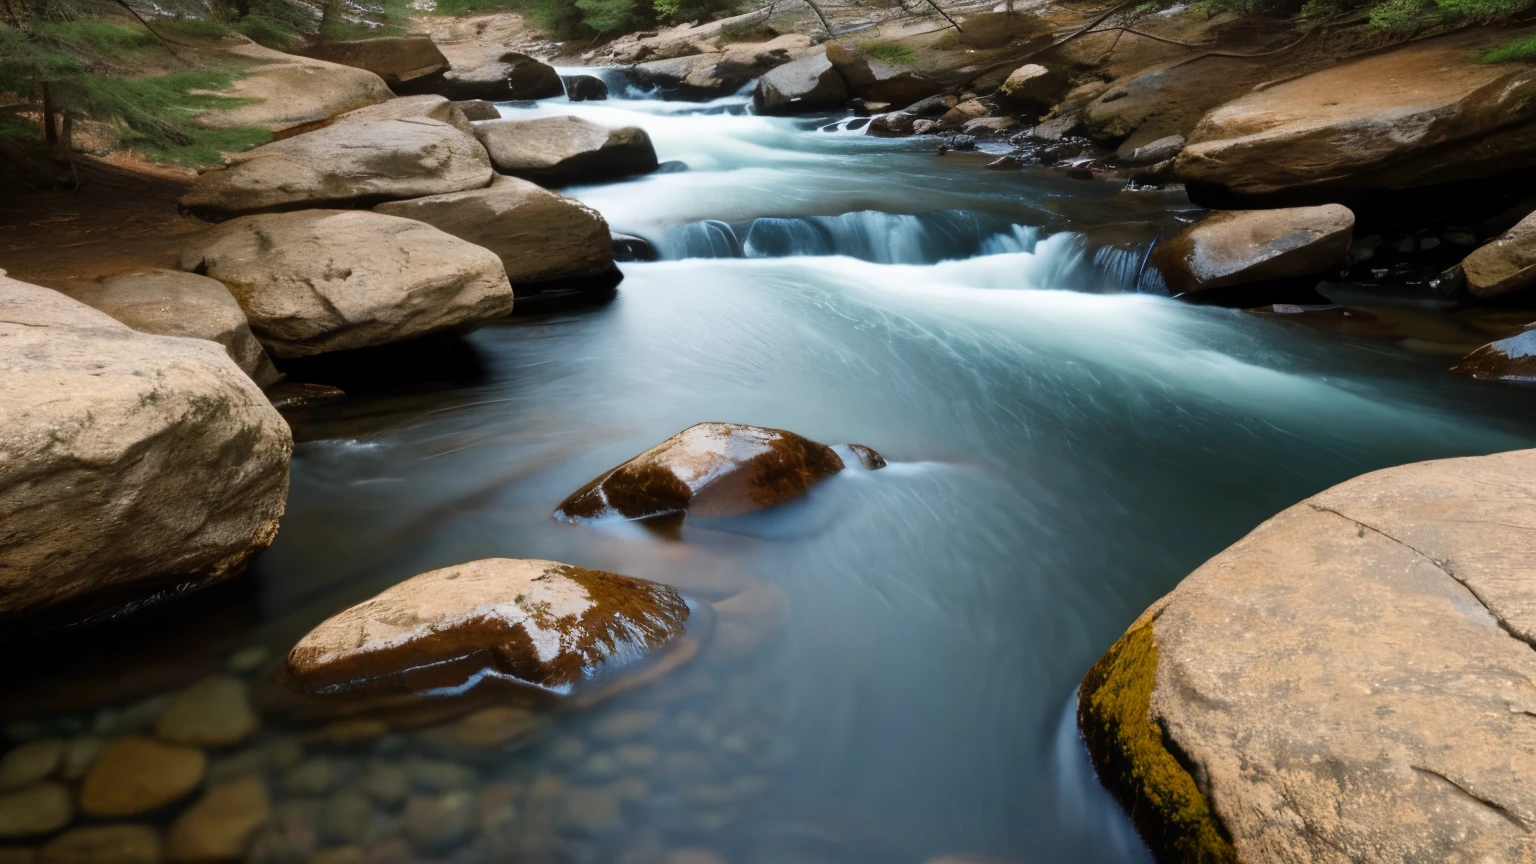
x: 64, y: 149
x: 50, y: 130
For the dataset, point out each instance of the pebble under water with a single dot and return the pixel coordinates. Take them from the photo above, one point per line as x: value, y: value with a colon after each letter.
x: 895, y: 677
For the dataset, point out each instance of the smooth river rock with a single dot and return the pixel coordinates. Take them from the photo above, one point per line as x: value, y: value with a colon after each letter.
x: 1512, y: 359
x: 1506, y: 265
x: 285, y: 92
x: 711, y: 469
x: 1243, y: 246
x: 345, y: 164
x: 331, y: 280
x: 174, y: 303
x: 41, y: 808
x: 128, y: 462
x: 557, y: 151
x: 104, y: 844
x: 810, y: 83
x: 221, y: 825
x: 215, y: 711
x: 1423, y: 113
x: 1352, y: 681
x: 140, y: 775
x: 546, y: 624
x: 30, y: 762
x: 396, y: 59
x: 540, y: 236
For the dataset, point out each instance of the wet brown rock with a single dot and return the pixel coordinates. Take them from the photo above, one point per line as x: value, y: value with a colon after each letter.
x: 895, y: 124
x: 222, y: 824
x: 810, y: 83
x: 334, y: 280
x: 130, y: 461
x: 31, y: 811
x: 349, y: 164
x: 500, y: 78
x: 544, y: 623
x: 1511, y: 359
x: 215, y: 711
x: 172, y: 303
x: 396, y: 59
x: 137, y: 775
x: 1506, y: 265
x: 712, y: 469
x: 1352, y: 679
x: 104, y: 844
x: 1243, y: 246
x: 490, y: 728
x: 875, y: 80
x: 963, y: 113
x: 540, y: 236
x: 30, y: 762
x: 284, y: 92
x: 1032, y: 86
x: 1423, y: 113
x: 439, y: 823
x: 564, y: 150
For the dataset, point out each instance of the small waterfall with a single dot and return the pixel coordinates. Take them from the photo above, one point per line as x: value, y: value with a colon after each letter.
x: 882, y: 238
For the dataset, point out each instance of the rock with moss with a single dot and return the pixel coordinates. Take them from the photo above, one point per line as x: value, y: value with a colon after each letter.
x: 712, y: 469
x: 808, y: 84
x: 875, y: 80
x: 545, y: 624
x: 1351, y: 681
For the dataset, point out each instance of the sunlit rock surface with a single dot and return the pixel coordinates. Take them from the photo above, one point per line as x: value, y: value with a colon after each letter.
x: 547, y: 624
x: 1244, y: 246
x: 712, y: 469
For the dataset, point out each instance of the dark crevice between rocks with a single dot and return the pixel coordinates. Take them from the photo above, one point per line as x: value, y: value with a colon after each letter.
x: 1136, y: 761
x: 1442, y: 566
x: 1491, y: 805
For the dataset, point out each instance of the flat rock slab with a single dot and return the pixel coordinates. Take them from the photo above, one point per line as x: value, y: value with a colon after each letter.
x: 555, y: 151
x: 349, y: 164
x: 396, y: 59
x: 540, y: 236
x: 331, y: 280
x: 1244, y: 246
x: 1353, y: 681
x: 546, y: 624
x: 128, y: 462
x: 712, y: 469
x: 288, y: 92
x: 1427, y: 112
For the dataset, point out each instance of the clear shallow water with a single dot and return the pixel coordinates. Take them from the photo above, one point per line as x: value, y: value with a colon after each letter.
x: 1059, y: 459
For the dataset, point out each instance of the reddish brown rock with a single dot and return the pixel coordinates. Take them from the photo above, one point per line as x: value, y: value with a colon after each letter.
x: 1244, y: 246
x: 543, y: 623
x: 712, y: 469
x: 1510, y: 359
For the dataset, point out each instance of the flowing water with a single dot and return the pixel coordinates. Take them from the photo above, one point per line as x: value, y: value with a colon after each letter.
x: 1062, y: 451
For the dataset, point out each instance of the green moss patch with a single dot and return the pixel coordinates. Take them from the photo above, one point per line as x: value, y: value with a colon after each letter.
x: 891, y: 52
x: 1134, y: 762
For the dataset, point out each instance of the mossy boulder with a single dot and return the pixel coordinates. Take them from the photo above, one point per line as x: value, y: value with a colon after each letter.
x: 712, y: 469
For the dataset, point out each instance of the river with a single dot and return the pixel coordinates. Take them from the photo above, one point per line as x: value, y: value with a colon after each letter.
x: 1062, y: 451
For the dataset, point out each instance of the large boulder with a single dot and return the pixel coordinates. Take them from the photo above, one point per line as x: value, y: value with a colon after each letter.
x: 1506, y: 265
x: 712, y: 469
x: 129, y: 463
x: 347, y: 164
x: 546, y: 624
x: 1349, y: 682
x: 500, y: 78
x: 1424, y: 113
x: 875, y: 80
x: 1243, y: 246
x: 173, y: 303
x: 424, y: 107
x: 1512, y: 358
x: 719, y: 73
x: 396, y: 59
x: 1032, y: 87
x: 284, y: 92
x: 563, y: 150
x: 811, y: 83
x: 332, y: 280
x: 540, y: 236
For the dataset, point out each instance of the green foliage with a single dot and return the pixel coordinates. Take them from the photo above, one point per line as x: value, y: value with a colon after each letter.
x: 158, y: 114
x: 270, y: 32
x: 612, y: 16
x: 1395, y: 16
x: 759, y: 32
x: 585, y: 19
x: 890, y: 52
x: 1518, y: 51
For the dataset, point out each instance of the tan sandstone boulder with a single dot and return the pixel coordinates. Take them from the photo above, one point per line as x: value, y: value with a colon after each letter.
x: 429, y: 107
x: 173, y: 303
x: 1032, y: 87
x: 875, y: 80
x: 1243, y: 246
x: 346, y: 164
x: 539, y: 235
x: 546, y: 624
x: 332, y: 280
x: 712, y: 469
x: 810, y: 83
x: 565, y: 150
x: 1352, y: 681
x: 396, y: 59
x: 129, y: 462
x: 287, y: 92
x: 1506, y: 265
x: 1427, y: 112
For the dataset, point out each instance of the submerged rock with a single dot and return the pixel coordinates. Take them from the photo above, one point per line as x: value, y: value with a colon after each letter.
x: 30, y: 762
x: 712, y: 469
x: 173, y: 303
x: 1506, y: 265
x: 1352, y: 675
x: 349, y: 164
x: 564, y: 150
x: 137, y: 775
x: 222, y: 824
x: 540, y: 236
x: 396, y: 59
x: 30, y: 811
x: 129, y: 463
x: 1244, y: 246
x: 811, y: 83
x: 546, y: 624
x: 214, y: 711
x: 104, y: 844
x: 1511, y: 359
x: 332, y: 280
